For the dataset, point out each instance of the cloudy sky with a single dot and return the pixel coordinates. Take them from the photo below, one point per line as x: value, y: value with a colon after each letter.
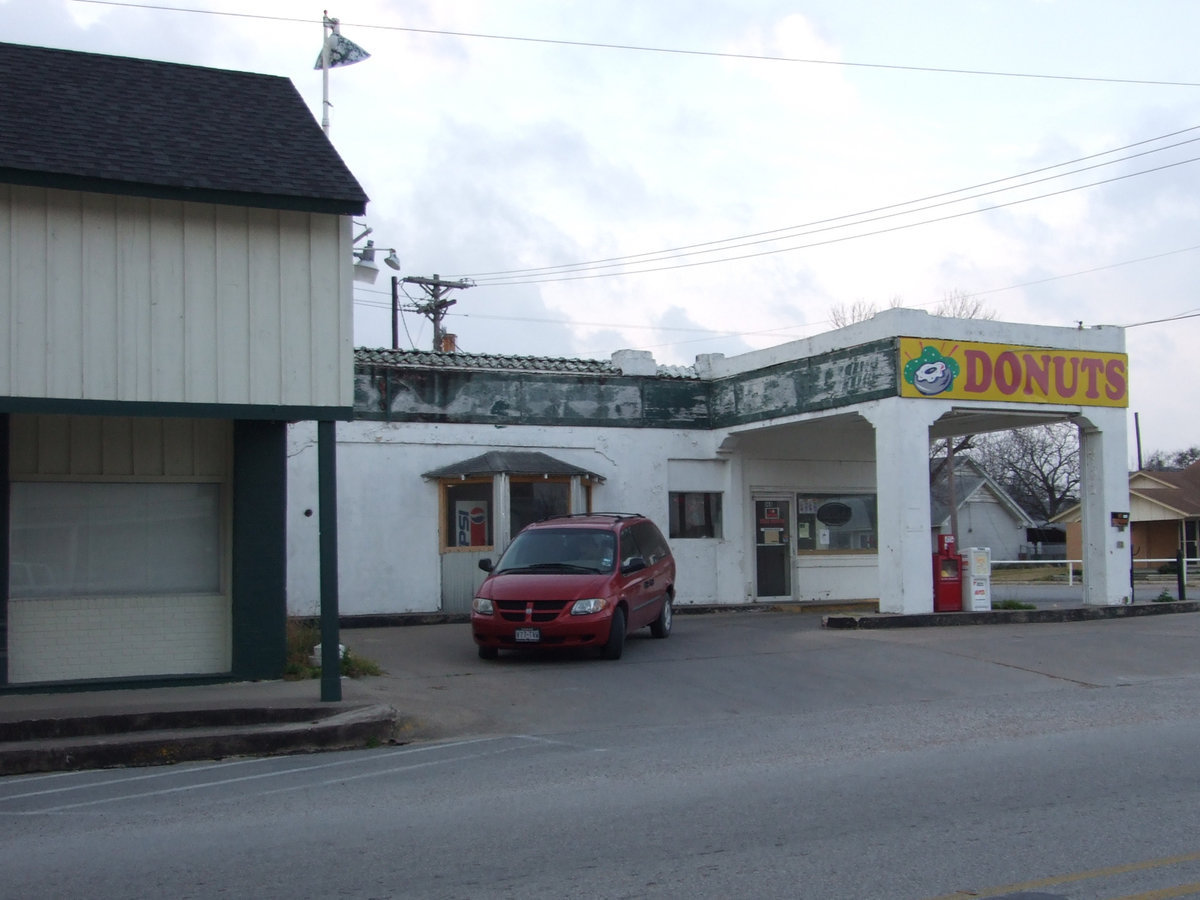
x: 715, y: 176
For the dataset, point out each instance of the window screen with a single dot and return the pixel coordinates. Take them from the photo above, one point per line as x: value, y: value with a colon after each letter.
x: 71, y: 539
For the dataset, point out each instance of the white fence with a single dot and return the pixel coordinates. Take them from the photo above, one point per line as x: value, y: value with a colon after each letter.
x: 1072, y: 565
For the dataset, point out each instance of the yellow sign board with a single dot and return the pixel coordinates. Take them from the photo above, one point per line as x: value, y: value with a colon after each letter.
x: 961, y: 370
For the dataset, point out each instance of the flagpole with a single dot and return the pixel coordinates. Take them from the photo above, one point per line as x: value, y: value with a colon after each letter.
x: 335, y: 51
x: 325, y: 73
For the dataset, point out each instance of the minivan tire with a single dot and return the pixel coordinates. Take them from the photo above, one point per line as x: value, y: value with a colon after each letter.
x: 616, y: 636
x: 661, y: 627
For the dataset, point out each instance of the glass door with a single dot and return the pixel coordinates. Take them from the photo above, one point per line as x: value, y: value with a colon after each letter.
x: 773, y: 546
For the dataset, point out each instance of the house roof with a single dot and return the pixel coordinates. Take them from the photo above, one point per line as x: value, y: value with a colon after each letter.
x: 431, y: 359
x: 111, y: 124
x: 1176, y: 491
x: 512, y: 462
x: 969, y: 480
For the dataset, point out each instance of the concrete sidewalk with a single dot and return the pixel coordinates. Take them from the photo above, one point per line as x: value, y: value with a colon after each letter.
x: 427, y: 668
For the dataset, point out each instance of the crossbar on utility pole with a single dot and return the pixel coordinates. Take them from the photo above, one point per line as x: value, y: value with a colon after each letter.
x: 435, y: 307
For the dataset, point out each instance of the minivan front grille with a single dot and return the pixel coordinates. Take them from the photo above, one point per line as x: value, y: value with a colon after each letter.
x: 542, y: 610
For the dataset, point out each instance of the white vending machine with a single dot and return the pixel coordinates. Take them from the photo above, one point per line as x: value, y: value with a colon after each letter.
x: 977, y: 579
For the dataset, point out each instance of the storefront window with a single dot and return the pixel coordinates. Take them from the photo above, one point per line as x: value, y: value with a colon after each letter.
x: 695, y: 514
x: 468, y: 513
x: 532, y: 501
x: 74, y: 539
x: 836, y: 523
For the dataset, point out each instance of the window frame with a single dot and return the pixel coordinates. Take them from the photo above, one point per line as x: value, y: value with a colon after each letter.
x: 713, y: 505
x: 805, y: 520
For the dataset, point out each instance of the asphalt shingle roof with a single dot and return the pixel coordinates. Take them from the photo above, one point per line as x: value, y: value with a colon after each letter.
x: 514, y: 462
x: 431, y: 359
x: 86, y: 121
x: 1183, y: 493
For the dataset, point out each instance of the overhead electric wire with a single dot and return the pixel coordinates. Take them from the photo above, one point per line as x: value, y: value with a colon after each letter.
x: 638, y: 48
x: 732, y: 242
x: 836, y: 240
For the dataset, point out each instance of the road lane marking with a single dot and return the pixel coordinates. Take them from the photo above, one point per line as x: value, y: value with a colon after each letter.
x: 1106, y: 872
x: 405, y: 751
x: 1182, y: 890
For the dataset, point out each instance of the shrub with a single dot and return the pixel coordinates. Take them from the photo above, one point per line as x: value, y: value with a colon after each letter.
x: 302, y: 636
x: 1013, y: 604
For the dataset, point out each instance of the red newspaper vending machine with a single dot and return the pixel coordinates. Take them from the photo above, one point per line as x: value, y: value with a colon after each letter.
x: 947, y: 576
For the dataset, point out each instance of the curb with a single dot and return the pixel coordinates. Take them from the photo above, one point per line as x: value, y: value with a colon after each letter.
x: 1008, y: 616
x: 102, y: 742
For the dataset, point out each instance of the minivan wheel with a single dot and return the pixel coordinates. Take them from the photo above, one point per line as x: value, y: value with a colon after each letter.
x: 661, y: 627
x: 616, y: 636
x: 488, y: 652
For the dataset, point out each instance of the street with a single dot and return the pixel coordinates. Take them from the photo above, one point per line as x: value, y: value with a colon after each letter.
x: 751, y: 755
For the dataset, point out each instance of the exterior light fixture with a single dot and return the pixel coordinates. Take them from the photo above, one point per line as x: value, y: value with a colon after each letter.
x: 365, y: 268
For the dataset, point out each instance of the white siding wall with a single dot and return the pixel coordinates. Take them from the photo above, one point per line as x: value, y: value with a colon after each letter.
x: 121, y: 298
x: 985, y: 522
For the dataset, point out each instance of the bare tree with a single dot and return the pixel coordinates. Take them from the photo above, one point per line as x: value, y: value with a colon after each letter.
x: 958, y: 304
x: 1161, y: 460
x: 1038, y: 466
x: 843, y: 314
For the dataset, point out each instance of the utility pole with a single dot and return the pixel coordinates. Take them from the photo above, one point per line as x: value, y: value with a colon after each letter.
x: 435, y: 307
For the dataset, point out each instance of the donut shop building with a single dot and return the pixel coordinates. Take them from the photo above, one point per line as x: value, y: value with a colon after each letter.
x: 799, y: 472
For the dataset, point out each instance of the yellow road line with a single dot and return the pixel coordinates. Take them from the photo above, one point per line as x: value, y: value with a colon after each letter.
x: 1182, y: 890
x: 1083, y: 876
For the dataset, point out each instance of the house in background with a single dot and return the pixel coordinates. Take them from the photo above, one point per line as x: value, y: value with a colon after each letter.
x: 987, y: 515
x: 175, y: 287
x: 1164, y: 517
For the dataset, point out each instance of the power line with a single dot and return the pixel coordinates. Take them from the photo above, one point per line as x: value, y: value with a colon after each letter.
x: 837, y: 240
x: 717, y: 333
x: 677, y: 51
x: 862, y: 217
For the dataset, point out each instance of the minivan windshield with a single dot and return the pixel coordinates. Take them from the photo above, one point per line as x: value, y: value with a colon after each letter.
x: 560, y: 550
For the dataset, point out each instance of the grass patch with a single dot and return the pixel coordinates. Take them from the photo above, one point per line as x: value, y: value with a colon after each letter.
x: 1013, y: 604
x: 302, y: 636
x: 1164, y: 597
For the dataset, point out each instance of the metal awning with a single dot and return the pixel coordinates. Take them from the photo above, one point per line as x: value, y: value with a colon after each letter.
x: 512, y: 462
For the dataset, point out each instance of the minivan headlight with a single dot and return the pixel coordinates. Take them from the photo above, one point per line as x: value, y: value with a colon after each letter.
x: 587, y: 607
x: 482, y: 605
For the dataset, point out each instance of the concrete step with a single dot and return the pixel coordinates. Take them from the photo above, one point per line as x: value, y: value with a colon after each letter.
x: 165, y: 737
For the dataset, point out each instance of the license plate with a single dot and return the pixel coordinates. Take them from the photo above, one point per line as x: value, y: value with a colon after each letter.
x: 528, y: 635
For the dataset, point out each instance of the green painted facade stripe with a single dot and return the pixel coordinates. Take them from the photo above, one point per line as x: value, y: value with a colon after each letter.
x: 259, y: 584
x: 4, y: 517
x: 472, y: 396
x: 276, y: 413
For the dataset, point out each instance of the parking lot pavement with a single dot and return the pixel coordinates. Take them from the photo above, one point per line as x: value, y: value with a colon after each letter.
x: 714, y: 666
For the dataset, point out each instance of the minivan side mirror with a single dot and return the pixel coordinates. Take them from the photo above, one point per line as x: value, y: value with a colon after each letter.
x: 633, y: 564
x: 485, y: 564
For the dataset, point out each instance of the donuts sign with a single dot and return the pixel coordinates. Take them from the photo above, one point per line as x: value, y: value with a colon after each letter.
x: 961, y: 370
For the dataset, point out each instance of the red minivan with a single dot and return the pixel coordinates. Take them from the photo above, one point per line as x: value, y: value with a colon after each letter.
x: 576, y: 581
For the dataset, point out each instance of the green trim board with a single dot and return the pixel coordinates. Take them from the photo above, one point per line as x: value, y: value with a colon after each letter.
x: 812, y: 384
x: 4, y: 517
x: 259, y: 583
x: 529, y: 398
x: 116, y: 187
x: 478, y: 396
x: 275, y: 413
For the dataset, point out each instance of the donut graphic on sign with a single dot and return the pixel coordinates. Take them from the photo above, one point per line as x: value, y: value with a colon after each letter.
x: 931, y: 373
